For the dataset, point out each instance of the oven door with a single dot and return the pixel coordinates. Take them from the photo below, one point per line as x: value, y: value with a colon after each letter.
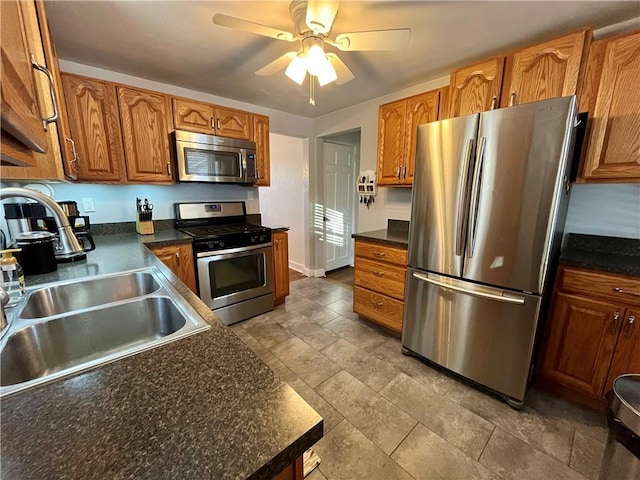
x: 230, y: 276
x: 199, y: 162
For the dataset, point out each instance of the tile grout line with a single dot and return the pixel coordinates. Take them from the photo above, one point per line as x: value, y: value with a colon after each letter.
x: 400, y: 443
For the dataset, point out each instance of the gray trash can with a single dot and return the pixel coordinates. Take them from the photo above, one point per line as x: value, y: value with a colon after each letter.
x: 622, y: 454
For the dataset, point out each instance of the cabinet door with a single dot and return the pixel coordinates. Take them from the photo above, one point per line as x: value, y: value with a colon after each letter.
x: 476, y: 88
x: 581, y: 337
x: 280, y: 266
x: 547, y: 70
x: 626, y: 358
x: 613, y: 152
x: 179, y: 258
x: 95, y: 129
x: 421, y: 109
x: 20, y: 115
x: 391, y: 126
x: 193, y: 116
x: 261, y: 137
x: 145, y: 118
x: 233, y: 123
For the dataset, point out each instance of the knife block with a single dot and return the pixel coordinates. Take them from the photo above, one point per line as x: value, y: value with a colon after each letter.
x: 144, y: 227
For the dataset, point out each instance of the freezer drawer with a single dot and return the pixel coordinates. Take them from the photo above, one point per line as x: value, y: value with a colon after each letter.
x: 482, y: 333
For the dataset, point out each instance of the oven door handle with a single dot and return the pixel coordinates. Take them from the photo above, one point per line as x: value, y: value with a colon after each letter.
x: 231, y: 251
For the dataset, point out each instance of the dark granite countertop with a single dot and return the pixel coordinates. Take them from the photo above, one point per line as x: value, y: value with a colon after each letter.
x: 606, y: 254
x: 396, y: 234
x: 202, y: 407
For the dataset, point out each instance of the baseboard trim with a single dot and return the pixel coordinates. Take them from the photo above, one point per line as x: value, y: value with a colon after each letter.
x: 298, y: 268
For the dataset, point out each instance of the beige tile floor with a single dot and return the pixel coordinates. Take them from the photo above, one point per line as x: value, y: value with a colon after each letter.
x: 388, y: 416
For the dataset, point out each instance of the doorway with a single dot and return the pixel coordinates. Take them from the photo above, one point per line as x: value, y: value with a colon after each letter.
x: 341, y: 159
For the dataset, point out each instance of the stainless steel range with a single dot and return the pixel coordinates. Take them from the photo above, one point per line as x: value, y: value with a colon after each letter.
x: 234, y: 263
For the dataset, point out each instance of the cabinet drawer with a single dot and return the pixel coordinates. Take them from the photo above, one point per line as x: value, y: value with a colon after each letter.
x: 382, y: 253
x: 380, y: 277
x: 609, y: 286
x: 381, y: 309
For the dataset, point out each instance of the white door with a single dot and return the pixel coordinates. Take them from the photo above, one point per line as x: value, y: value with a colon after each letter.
x: 339, y: 204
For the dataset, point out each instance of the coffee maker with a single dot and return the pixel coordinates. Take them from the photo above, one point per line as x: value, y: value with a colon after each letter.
x: 32, y: 217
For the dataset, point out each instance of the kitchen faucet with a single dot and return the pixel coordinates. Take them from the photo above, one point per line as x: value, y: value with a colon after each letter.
x: 4, y: 299
x: 68, y: 248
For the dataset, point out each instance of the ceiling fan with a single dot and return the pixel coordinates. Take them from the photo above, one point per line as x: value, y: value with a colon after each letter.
x: 312, y: 20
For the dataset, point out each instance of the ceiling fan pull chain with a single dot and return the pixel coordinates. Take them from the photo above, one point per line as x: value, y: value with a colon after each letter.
x: 312, y: 93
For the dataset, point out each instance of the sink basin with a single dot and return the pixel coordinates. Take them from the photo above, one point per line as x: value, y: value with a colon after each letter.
x: 52, y: 346
x: 54, y: 300
x: 69, y: 327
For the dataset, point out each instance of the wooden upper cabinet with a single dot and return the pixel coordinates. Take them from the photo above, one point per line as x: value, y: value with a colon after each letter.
x: 20, y: 116
x: 613, y: 150
x: 201, y: 117
x: 145, y: 119
x: 391, y: 127
x: 233, y: 123
x: 421, y: 109
x: 476, y: 88
x: 581, y: 337
x: 193, y: 116
x: 95, y: 128
x: 546, y: 70
x: 261, y: 137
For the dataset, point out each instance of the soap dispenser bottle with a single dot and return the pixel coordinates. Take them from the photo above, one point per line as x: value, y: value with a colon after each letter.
x: 12, y: 276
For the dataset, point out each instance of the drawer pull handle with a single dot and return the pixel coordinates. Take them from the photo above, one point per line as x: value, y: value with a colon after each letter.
x: 629, y: 328
x: 378, y: 254
x: 613, y: 326
x: 626, y: 292
x: 377, y: 273
x: 377, y: 304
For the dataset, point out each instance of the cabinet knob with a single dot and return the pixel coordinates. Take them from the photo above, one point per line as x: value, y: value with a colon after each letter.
x: 168, y: 169
x: 512, y: 99
x: 613, y: 326
x: 377, y: 273
x: 377, y: 304
x: 178, y: 258
x: 398, y: 173
x: 494, y: 102
x: 404, y: 172
x: 378, y: 254
x: 54, y: 100
x: 626, y: 292
x: 629, y: 327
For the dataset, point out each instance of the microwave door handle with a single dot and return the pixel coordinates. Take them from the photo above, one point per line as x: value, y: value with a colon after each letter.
x: 243, y: 164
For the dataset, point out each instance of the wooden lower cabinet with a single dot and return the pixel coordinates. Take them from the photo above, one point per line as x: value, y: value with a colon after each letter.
x: 591, y: 335
x: 179, y: 258
x: 379, y: 277
x: 280, y: 241
x: 295, y: 471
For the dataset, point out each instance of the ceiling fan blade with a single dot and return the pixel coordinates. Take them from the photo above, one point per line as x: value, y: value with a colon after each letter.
x: 374, y: 40
x: 342, y: 71
x: 277, y: 65
x: 233, y: 22
x: 321, y: 14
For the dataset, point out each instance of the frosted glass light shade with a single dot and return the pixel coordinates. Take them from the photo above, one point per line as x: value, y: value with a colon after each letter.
x: 297, y: 69
x: 315, y: 59
x: 327, y: 73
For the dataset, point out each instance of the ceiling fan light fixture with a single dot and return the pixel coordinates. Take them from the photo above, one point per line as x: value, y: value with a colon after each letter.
x: 297, y: 69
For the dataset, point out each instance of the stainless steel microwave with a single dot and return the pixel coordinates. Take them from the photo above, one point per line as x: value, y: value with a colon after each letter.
x: 209, y: 158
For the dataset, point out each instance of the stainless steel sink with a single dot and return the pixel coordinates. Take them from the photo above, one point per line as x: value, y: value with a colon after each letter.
x: 56, y: 299
x: 69, y: 327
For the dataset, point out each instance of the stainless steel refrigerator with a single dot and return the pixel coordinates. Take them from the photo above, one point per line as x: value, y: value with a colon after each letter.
x: 490, y: 195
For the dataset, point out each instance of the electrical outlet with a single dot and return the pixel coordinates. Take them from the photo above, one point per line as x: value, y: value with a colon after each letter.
x: 87, y: 205
x: 249, y: 195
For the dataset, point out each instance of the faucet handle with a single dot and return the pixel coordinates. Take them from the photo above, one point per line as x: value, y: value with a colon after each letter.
x: 4, y: 296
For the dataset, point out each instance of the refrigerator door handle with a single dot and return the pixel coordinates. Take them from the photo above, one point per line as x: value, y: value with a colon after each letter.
x: 463, y: 200
x: 500, y: 297
x: 475, y: 197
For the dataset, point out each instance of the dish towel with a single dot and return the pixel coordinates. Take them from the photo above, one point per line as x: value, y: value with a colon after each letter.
x: 310, y: 460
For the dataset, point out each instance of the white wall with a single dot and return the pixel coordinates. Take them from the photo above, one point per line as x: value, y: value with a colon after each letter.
x: 390, y: 202
x: 610, y: 210
x: 117, y: 203
x: 283, y: 203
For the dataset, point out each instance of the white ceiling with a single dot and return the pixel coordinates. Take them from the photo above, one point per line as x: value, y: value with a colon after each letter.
x: 176, y: 42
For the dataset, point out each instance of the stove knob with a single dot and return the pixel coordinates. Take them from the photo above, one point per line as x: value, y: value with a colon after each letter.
x: 221, y: 243
x: 253, y: 239
x: 210, y: 245
x: 262, y: 238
